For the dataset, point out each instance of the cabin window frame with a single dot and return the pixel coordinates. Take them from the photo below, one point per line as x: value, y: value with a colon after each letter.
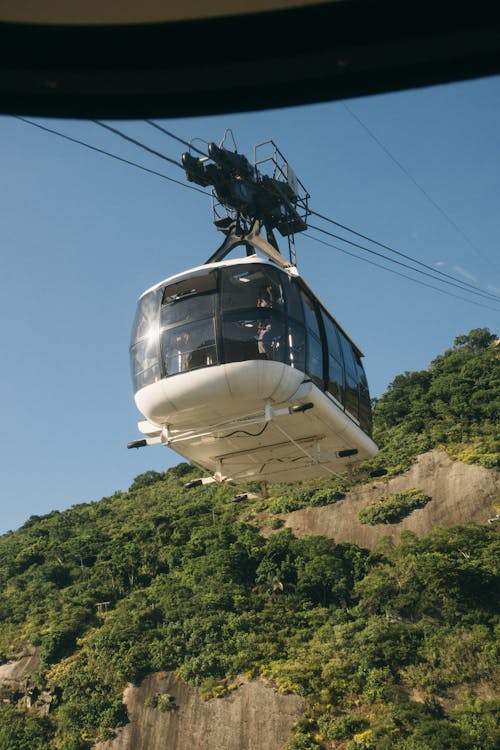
x: 189, y: 325
x: 312, y: 336
x: 257, y: 316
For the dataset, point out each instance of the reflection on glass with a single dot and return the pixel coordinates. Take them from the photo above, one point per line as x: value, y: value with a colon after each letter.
x: 314, y: 364
x: 332, y: 337
x: 336, y: 379
x: 365, y: 414
x: 187, y: 310
x: 349, y: 357
x: 260, y: 313
x: 258, y: 286
x: 310, y: 315
x: 145, y: 362
x: 293, y: 301
x: 190, y: 287
x: 146, y: 317
x: 189, y: 347
x: 351, y: 395
x: 297, y: 346
x: 253, y: 338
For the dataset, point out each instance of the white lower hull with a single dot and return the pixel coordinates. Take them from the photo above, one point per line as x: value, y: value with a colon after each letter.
x: 216, y: 417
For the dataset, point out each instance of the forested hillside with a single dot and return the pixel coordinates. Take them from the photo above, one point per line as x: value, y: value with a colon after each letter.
x: 455, y: 403
x: 392, y: 649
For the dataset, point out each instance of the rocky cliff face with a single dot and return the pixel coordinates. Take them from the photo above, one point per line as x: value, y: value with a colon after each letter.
x: 461, y: 493
x: 15, y: 674
x: 16, y: 678
x: 253, y: 717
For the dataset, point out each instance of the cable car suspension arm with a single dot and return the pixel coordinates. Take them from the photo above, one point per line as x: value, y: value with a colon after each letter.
x: 251, y: 199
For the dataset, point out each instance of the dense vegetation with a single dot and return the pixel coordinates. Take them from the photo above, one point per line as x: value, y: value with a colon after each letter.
x: 393, y: 649
x: 455, y: 403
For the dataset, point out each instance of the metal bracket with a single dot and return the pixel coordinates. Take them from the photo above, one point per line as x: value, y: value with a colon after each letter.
x: 235, y: 235
x: 168, y: 436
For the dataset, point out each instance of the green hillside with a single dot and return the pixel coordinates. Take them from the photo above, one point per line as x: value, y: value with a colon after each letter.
x: 392, y: 650
x: 455, y: 404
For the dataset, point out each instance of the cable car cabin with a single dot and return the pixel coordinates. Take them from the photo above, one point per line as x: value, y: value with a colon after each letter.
x: 239, y: 368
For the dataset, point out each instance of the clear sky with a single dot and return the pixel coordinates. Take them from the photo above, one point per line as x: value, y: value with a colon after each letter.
x: 82, y: 235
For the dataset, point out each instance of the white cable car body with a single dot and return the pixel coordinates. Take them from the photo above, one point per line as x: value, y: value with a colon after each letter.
x: 241, y: 370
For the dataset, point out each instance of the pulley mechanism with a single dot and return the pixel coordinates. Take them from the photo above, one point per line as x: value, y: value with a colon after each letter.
x: 249, y: 196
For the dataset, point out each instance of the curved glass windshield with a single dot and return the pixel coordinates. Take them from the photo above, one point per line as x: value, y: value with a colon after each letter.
x: 144, y: 349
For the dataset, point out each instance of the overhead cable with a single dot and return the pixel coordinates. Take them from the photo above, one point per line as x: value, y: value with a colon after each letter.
x: 435, y: 274
x: 108, y: 153
x: 436, y: 271
x: 175, y: 137
x: 128, y: 138
x: 486, y: 295
x: 419, y: 187
x: 398, y: 273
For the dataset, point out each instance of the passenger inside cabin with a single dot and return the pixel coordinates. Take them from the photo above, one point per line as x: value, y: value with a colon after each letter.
x: 182, y: 351
x: 264, y: 340
x: 265, y: 297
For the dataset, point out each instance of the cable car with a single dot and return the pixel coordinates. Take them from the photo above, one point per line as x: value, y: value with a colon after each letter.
x: 240, y: 369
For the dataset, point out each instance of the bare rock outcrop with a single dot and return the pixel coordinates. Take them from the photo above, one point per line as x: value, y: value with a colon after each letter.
x: 252, y: 717
x: 461, y: 493
x: 18, y: 686
x: 15, y: 674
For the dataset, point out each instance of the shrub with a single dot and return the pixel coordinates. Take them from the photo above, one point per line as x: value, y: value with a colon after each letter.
x: 394, y: 508
x: 161, y: 701
x: 311, y: 496
x: 301, y: 741
x: 341, y: 727
x: 327, y: 496
x: 276, y: 523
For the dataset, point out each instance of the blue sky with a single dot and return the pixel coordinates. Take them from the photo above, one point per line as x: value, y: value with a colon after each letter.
x: 83, y: 235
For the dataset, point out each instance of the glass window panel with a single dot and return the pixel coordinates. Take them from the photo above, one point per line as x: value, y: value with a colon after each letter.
x: 271, y: 339
x: 351, y: 395
x: 332, y: 337
x: 361, y: 372
x: 365, y: 415
x: 188, y: 310
x: 239, y: 339
x: 249, y: 286
x: 145, y: 363
x: 146, y: 317
x: 297, y: 346
x: 349, y: 360
x: 252, y: 337
x: 293, y: 301
x: 310, y: 315
x: 189, y: 347
x: 336, y: 379
x: 190, y: 287
x: 314, y: 363
x: 146, y: 377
